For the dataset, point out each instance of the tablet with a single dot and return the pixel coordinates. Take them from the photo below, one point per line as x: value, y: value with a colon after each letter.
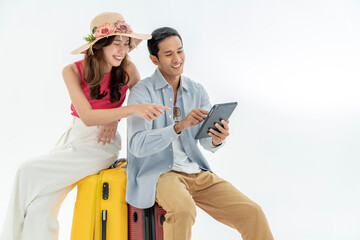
x: 216, y: 114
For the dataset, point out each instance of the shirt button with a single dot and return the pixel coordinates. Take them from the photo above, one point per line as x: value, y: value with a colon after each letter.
x: 170, y: 150
x: 69, y: 146
x: 171, y: 139
x: 169, y: 166
x: 163, y: 90
x: 168, y: 86
x: 169, y: 116
x: 170, y: 99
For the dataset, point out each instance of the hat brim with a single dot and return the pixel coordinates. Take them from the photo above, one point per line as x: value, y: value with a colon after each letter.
x: 136, y: 37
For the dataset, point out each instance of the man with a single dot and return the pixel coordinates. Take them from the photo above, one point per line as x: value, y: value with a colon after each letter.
x: 165, y: 163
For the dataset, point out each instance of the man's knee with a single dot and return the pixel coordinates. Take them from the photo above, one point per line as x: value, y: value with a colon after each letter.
x: 253, y: 213
x: 255, y: 210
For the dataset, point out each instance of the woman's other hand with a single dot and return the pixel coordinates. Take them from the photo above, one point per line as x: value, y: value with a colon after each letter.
x: 107, y: 132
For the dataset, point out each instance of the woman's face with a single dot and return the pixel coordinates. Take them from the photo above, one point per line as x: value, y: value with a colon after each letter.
x: 116, y: 51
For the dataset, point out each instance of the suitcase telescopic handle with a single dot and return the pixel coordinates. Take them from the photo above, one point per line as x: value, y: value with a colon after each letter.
x: 103, y: 224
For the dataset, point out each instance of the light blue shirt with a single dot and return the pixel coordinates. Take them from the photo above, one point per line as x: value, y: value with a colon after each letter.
x: 150, y: 150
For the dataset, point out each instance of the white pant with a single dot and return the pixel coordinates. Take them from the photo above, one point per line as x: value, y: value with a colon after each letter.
x: 41, y: 184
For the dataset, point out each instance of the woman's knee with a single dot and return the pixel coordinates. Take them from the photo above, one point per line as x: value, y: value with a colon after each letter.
x: 26, y: 168
x: 23, y: 169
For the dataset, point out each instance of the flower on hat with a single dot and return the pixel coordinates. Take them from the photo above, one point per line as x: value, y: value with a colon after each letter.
x: 107, y: 29
x: 122, y: 27
x: 104, y: 30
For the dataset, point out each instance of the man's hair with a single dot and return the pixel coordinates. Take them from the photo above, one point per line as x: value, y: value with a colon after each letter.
x: 157, y: 36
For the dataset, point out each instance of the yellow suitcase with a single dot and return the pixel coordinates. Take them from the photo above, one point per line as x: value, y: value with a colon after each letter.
x: 100, y: 211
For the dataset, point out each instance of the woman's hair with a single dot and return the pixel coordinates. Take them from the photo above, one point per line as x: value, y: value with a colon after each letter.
x: 157, y: 36
x: 93, y: 72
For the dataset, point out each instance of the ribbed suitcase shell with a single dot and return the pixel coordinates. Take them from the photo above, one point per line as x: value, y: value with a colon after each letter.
x: 146, y: 224
x: 90, y: 205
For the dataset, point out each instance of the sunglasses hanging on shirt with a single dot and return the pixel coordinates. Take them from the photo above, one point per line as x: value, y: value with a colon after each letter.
x: 176, y: 114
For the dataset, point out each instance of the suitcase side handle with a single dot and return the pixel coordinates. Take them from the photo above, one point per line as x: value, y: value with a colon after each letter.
x: 118, y: 162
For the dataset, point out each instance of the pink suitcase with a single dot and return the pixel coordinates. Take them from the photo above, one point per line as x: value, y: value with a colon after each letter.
x: 146, y: 224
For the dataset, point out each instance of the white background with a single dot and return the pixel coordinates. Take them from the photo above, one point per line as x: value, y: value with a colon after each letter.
x: 293, y: 66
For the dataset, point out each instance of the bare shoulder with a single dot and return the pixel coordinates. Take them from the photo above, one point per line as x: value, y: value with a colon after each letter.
x: 71, y: 68
x: 134, y: 75
x: 130, y: 67
x: 70, y: 73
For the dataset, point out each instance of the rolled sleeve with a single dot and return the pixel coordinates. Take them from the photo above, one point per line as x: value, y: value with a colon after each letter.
x: 169, y: 133
x: 208, y: 145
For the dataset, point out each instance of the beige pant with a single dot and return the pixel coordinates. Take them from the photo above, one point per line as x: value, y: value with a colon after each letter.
x: 41, y: 184
x: 179, y: 193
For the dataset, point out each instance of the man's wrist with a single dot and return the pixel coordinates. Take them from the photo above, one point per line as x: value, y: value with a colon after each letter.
x: 216, y: 144
x: 178, y: 128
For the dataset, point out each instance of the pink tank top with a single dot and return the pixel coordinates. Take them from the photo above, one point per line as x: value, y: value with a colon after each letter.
x: 101, y: 103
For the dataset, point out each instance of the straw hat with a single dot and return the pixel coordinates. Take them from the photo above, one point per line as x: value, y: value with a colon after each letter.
x: 109, y: 24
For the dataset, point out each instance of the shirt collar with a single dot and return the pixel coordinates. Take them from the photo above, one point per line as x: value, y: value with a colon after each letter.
x: 161, y: 82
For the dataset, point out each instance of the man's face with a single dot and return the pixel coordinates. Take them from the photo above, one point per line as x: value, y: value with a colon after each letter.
x: 171, y: 57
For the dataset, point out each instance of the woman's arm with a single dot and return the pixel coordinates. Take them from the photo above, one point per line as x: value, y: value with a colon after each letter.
x: 93, y: 117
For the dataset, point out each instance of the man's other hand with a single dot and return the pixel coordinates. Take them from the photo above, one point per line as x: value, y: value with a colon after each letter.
x: 219, y: 137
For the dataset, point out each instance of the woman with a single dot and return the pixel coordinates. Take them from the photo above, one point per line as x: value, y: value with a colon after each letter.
x: 97, y: 86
